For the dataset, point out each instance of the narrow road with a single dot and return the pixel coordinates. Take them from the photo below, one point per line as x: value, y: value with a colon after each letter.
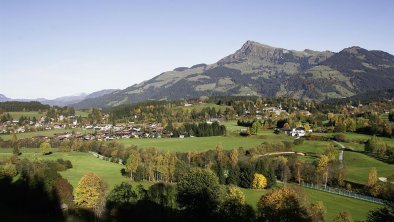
x: 342, y: 150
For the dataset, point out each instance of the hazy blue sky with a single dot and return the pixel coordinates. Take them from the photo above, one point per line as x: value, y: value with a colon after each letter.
x: 54, y: 48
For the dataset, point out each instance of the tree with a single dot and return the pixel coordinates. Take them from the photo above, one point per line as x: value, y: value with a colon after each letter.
x: 372, y: 177
x: 16, y: 151
x: 199, y: 193
x: 331, y: 152
x: 322, y: 168
x: 235, y: 194
x: 255, y: 127
x: 259, y: 181
x: 45, y: 148
x: 384, y: 214
x: 234, y: 157
x: 122, y: 194
x: 15, y: 145
x: 317, y: 211
x: 234, y: 208
x: 282, y: 205
x: 8, y: 170
x: 343, y: 216
x: 64, y: 190
x: 132, y: 163
x: 90, y: 193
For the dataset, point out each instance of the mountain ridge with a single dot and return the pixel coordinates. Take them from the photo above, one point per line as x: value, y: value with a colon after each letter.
x: 64, y: 100
x: 261, y: 70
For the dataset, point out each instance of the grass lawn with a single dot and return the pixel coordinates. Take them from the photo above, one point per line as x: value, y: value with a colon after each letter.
x: 335, y: 203
x: 252, y: 197
x: 310, y: 146
x: 42, y: 133
x: 358, y: 166
x: 82, y: 164
x: 358, y: 136
x: 198, y: 144
x: 17, y: 115
x: 232, y: 127
x: 83, y: 114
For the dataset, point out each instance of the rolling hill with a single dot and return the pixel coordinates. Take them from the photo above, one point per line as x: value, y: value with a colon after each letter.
x: 262, y: 70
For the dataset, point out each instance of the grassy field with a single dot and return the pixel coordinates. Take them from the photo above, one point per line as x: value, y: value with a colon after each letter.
x: 312, y: 146
x: 335, y: 203
x: 358, y: 166
x: 17, y: 115
x: 42, y: 133
x: 197, y: 144
x: 82, y: 164
x: 361, y: 137
x: 83, y: 114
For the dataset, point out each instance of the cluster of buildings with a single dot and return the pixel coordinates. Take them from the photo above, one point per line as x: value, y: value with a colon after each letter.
x: 40, y: 124
x: 107, y: 132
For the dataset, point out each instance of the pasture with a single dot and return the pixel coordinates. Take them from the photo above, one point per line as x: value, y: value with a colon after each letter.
x: 196, y: 144
x: 82, y: 164
x: 17, y: 115
x: 358, y: 166
x: 335, y: 203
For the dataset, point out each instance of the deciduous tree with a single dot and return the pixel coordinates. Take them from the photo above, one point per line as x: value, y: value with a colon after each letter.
x: 372, y: 177
x: 343, y: 216
x: 90, y: 193
x: 259, y: 181
x: 132, y: 163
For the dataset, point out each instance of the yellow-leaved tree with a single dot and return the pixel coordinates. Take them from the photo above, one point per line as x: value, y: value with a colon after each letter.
x: 132, y: 163
x: 259, y: 181
x: 235, y: 194
x: 90, y: 193
x: 45, y: 148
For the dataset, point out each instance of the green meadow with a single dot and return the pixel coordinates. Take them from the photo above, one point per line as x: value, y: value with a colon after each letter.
x: 82, y: 164
x: 358, y: 166
x: 197, y: 144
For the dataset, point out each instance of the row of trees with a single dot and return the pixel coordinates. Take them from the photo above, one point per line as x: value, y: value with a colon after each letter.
x: 376, y: 146
x: 198, y: 196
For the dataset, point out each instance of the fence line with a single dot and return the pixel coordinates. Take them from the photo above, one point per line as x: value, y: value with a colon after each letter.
x: 105, y: 158
x: 342, y: 192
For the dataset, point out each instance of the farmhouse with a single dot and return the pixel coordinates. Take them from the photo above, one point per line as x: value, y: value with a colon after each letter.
x: 299, y: 131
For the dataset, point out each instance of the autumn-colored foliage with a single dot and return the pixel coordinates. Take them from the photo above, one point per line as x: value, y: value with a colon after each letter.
x: 282, y: 204
x: 90, y: 193
x: 65, y: 192
x: 343, y: 216
x: 372, y: 177
x: 235, y: 194
x: 259, y: 181
x: 45, y: 148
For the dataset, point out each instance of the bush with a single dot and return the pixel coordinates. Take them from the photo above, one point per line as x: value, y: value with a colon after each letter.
x: 341, y: 137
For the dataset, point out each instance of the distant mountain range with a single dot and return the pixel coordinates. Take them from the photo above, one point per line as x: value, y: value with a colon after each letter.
x: 262, y: 70
x: 62, y: 101
x: 257, y: 70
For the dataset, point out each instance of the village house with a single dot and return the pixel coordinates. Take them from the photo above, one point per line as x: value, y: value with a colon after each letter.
x: 296, y: 132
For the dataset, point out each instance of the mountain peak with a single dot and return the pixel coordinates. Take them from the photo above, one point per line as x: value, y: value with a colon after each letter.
x: 251, y: 43
x: 250, y: 49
